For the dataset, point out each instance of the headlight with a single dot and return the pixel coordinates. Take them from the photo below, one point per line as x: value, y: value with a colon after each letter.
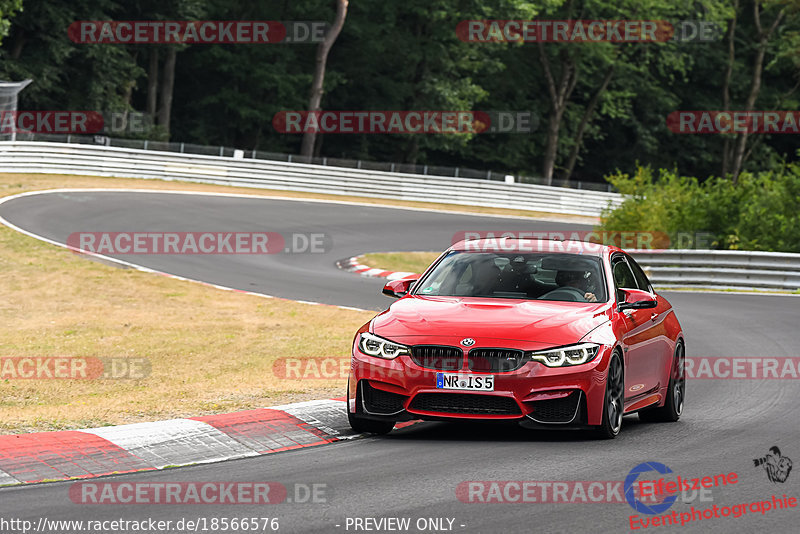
x: 566, y: 356
x: 382, y: 348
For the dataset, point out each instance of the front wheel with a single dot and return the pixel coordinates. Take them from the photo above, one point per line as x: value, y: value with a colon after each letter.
x: 676, y: 393
x: 613, y: 405
x: 361, y: 424
x: 372, y: 426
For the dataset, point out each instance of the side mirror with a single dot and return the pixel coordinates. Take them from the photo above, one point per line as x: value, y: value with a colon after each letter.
x: 398, y: 288
x: 635, y: 299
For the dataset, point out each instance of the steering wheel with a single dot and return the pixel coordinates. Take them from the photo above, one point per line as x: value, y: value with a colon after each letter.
x: 568, y: 293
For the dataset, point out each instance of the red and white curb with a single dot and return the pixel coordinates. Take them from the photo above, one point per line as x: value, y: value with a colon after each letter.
x: 94, y: 452
x: 354, y: 265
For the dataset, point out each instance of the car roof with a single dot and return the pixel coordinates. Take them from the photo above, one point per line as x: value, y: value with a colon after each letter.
x: 521, y: 245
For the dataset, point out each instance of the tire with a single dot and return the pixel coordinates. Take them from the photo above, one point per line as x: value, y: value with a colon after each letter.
x: 363, y: 425
x: 614, y: 402
x: 676, y: 393
x: 371, y: 426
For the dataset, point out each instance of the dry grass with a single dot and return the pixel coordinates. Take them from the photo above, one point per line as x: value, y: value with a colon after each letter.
x: 211, y: 351
x: 413, y: 262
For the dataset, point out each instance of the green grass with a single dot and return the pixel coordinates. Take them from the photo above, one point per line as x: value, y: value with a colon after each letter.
x: 412, y: 262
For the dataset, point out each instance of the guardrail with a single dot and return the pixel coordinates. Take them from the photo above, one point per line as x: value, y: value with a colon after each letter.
x: 63, y: 158
x: 218, y: 150
x: 734, y: 269
x: 666, y: 268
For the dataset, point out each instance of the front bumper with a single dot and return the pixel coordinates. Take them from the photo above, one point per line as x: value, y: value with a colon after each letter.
x: 534, y: 394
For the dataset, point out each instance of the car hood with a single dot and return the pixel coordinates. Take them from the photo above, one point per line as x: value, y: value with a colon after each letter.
x: 413, y: 318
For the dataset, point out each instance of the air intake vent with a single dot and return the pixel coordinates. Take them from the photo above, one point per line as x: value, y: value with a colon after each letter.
x: 556, y: 410
x: 379, y: 402
x: 439, y: 357
x: 495, y: 360
x: 465, y: 403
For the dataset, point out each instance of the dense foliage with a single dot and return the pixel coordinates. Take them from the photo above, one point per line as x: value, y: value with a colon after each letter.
x: 761, y: 212
x: 599, y: 106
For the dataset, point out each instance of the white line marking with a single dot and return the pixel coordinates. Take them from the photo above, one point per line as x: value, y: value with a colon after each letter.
x: 174, y: 442
x: 565, y: 220
x: 134, y: 265
x: 6, y: 479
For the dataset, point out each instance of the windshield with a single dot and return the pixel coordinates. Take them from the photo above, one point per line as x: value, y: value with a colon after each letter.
x: 549, y: 276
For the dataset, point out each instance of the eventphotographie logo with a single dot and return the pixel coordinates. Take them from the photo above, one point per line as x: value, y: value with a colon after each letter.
x: 777, y: 466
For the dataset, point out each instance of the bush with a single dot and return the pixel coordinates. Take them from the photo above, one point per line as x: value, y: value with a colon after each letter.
x: 760, y: 212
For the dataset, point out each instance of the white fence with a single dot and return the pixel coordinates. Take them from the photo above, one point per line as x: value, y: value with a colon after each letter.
x: 65, y: 158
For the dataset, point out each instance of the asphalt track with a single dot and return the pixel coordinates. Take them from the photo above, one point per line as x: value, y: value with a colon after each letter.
x: 414, y: 471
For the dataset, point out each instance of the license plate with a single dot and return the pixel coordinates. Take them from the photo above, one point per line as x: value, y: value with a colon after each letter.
x: 465, y: 382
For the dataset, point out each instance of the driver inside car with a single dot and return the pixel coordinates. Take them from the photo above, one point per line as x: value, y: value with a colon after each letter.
x: 578, y: 280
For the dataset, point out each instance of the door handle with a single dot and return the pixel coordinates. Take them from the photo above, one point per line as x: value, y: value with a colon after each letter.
x: 654, y: 317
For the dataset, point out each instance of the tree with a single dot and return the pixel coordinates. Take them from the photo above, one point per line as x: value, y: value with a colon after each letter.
x: 568, y: 66
x: 318, y: 82
x: 66, y: 75
x: 761, y: 39
x: 7, y: 10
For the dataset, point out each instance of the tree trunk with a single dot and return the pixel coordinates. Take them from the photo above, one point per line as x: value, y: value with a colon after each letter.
x: 318, y: 145
x: 318, y: 83
x: 20, y: 38
x: 167, y: 85
x: 551, y: 148
x: 127, y: 96
x: 411, y: 154
x: 755, y: 87
x: 577, y: 140
x: 559, y: 96
x: 778, y: 105
x: 152, y: 84
x: 726, y: 95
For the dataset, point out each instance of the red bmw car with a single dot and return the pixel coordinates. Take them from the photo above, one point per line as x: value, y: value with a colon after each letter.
x: 551, y: 334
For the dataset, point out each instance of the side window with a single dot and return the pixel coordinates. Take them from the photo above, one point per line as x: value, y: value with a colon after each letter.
x: 623, y: 277
x: 641, y: 278
x: 466, y: 276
